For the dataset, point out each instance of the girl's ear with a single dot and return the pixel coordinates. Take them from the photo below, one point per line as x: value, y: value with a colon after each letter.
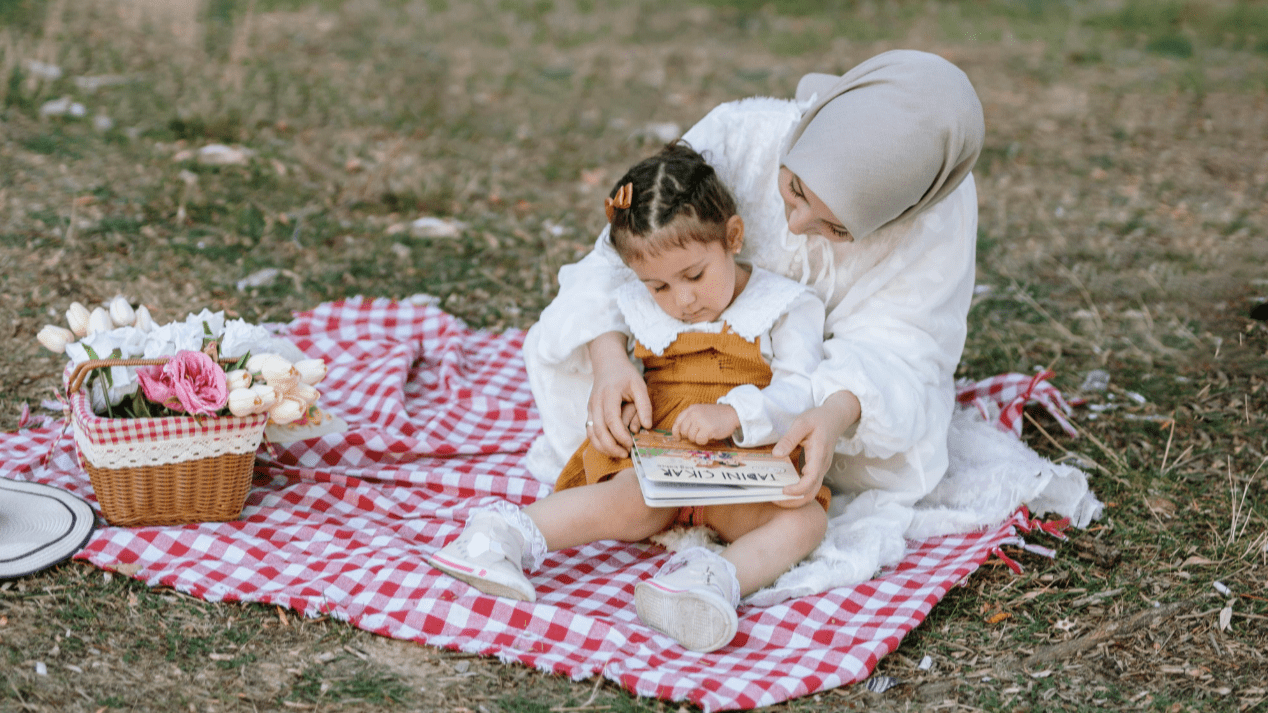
x: 734, y: 233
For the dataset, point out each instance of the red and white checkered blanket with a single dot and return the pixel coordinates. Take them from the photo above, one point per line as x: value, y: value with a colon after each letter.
x: 441, y: 417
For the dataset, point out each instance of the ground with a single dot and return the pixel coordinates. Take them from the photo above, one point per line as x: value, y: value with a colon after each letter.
x: 1123, y: 227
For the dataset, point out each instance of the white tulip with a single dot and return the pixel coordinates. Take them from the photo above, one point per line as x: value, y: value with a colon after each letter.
x: 311, y: 371
x: 286, y: 411
x: 268, y: 396
x: 304, y: 393
x: 244, y: 402
x: 238, y: 379
x: 254, y: 361
x: 77, y: 318
x: 144, y: 321
x: 121, y: 312
x: 99, y: 321
x: 280, y: 373
x: 55, y: 338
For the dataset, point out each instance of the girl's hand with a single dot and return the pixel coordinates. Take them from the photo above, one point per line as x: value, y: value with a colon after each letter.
x: 817, y: 431
x: 629, y: 416
x: 701, y: 423
x: 616, y: 383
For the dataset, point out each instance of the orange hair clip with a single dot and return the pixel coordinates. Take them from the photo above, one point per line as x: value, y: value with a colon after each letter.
x: 622, y: 200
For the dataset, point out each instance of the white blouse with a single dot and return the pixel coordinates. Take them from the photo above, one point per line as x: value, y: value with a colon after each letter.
x: 787, y: 320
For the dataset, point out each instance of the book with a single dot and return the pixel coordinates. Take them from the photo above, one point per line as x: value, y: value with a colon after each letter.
x: 673, y: 473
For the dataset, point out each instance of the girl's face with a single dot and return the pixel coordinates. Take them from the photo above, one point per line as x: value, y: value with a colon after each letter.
x: 695, y: 283
x: 806, y: 214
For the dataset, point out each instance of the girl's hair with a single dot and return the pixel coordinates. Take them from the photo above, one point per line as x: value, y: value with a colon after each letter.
x: 675, y: 187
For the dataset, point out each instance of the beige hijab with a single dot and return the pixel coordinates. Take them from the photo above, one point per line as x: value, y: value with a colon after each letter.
x: 890, y: 138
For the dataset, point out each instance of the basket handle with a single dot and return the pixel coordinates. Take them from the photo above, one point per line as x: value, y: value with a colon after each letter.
x: 81, y: 369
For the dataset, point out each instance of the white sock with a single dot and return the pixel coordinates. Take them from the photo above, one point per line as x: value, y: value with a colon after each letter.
x: 533, y: 550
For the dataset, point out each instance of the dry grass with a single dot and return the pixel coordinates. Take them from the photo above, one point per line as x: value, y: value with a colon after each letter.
x: 1124, y: 224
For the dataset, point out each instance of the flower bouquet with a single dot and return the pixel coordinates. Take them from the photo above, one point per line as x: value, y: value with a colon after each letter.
x: 167, y: 418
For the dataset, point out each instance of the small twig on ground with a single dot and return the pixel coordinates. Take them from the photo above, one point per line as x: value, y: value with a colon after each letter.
x: 1033, y: 304
x: 1239, y: 505
x: 1107, y: 631
x: 585, y: 706
x: 1035, y: 423
x: 1113, y: 456
x: 1162, y: 469
x: 70, y: 227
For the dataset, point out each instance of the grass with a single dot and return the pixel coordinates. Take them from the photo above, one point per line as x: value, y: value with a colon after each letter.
x: 1121, y: 227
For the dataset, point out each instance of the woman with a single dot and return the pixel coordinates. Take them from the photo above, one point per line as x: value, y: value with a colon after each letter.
x: 860, y: 188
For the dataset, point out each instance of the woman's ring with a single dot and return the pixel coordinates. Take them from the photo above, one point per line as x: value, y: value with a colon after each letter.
x: 589, y: 423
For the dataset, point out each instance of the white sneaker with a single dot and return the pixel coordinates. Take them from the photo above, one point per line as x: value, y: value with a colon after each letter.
x: 487, y: 556
x: 692, y: 599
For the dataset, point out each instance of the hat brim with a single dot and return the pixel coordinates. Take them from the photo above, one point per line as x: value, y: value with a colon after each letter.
x: 40, y: 525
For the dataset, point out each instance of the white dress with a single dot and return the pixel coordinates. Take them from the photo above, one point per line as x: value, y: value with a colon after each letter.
x: 896, y: 304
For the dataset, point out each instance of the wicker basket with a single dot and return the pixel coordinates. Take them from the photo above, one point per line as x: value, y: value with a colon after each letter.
x: 163, y: 471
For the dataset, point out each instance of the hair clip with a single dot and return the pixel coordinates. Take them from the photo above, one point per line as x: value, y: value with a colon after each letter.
x: 624, y: 195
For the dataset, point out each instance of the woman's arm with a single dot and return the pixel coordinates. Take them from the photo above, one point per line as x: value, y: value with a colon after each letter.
x: 895, y: 345
x: 616, y: 382
x: 817, y: 431
x: 885, y: 386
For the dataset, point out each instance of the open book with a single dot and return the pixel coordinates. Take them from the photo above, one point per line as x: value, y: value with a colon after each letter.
x: 674, y: 473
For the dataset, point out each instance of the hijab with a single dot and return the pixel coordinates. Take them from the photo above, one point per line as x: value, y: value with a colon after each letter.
x: 888, y: 139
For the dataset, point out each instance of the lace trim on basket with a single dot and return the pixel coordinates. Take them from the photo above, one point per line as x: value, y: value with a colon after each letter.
x: 176, y: 450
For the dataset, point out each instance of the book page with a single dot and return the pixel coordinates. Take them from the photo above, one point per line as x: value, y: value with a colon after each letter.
x: 666, y: 459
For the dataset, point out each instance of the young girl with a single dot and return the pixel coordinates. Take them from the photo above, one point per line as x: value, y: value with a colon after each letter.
x: 727, y: 352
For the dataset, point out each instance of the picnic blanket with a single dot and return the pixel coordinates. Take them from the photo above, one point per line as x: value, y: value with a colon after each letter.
x: 440, y: 418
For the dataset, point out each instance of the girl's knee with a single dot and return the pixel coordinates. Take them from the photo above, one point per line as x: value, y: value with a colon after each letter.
x: 630, y: 508
x: 811, y: 522
x: 820, y: 518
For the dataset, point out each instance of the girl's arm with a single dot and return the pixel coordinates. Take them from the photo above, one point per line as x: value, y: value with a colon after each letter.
x: 796, y: 344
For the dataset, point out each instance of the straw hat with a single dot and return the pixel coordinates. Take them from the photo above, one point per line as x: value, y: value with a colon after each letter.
x: 40, y: 525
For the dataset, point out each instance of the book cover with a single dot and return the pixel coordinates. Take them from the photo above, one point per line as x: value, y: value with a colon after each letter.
x: 672, y: 472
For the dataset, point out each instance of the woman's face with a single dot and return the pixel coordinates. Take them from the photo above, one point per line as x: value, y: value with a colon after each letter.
x: 806, y: 214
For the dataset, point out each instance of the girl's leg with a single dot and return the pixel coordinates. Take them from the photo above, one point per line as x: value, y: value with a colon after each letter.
x: 766, y: 540
x: 501, y: 541
x: 609, y: 510
x: 693, y: 597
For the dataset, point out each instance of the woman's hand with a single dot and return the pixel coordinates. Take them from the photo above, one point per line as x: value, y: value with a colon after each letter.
x: 616, y: 383
x: 701, y: 423
x: 817, y: 431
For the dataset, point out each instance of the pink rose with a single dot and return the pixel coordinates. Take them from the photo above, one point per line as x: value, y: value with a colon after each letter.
x: 191, y: 381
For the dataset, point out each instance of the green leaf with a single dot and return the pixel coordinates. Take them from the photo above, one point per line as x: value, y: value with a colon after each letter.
x: 140, y: 405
